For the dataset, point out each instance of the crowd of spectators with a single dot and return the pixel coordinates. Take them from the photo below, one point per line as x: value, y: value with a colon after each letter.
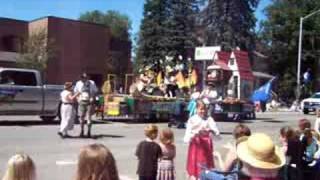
x: 252, y: 156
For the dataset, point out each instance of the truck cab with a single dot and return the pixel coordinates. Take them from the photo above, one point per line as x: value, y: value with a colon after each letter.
x: 22, y: 93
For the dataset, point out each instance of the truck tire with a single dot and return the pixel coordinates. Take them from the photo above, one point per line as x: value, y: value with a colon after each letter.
x: 305, y: 111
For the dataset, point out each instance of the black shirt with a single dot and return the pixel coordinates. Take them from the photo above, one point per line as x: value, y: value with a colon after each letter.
x: 148, y: 154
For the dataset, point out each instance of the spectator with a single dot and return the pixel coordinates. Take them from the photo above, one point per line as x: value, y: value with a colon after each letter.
x: 307, y: 76
x: 260, y: 158
x: 303, y: 124
x: 200, y: 128
x: 293, y: 150
x: 166, y: 169
x: 20, y: 167
x: 96, y: 162
x: 310, y: 147
x: 148, y: 153
x: 240, y: 133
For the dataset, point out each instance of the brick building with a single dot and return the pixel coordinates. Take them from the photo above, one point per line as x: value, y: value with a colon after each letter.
x: 79, y: 46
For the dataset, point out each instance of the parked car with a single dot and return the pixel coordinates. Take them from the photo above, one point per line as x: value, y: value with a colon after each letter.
x: 311, y: 104
x: 23, y: 93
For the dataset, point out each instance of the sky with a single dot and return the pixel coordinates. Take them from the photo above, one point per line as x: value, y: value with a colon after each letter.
x: 71, y: 9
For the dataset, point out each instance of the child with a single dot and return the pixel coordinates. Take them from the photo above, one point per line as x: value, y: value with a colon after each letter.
x: 199, y: 135
x: 310, y: 147
x: 166, y: 170
x: 96, y: 162
x: 293, y: 150
x: 20, y: 166
x: 241, y: 132
x: 148, y: 153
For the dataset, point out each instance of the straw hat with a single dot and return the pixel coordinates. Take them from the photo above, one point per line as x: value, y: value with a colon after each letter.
x: 259, y: 151
x: 67, y: 85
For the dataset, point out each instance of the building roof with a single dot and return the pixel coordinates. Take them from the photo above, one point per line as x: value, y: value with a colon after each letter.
x: 223, y: 56
x: 244, y: 66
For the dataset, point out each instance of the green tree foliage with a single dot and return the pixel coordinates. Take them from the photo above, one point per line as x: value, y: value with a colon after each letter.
x: 280, y: 34
x: 152, y: 40
x: 181, y: 26
x: 230, y: 23
x: 167, y: 29
x: 36, y: 51
x: 119, y: 24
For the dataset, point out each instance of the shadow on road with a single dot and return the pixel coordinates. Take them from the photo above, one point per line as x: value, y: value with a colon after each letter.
x: 226, y: 133
x: 274, y: 121
x: 27, y: 123
x: 95, y: 136
x: 264, y: 119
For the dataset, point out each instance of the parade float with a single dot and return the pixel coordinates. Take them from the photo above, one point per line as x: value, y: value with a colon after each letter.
x: 146, y: 99
x: 231, y: 75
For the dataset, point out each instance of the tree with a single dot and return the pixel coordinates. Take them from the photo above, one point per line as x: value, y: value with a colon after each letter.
x: 152, y: 40
x: 168, y: 29
x: 119, y: 24
x: 280, y: 33
x: 230, y: 23
x: 36, y: 51
x: 181, y: 25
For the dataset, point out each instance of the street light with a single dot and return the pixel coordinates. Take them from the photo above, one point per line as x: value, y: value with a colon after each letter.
x: 299, y: 51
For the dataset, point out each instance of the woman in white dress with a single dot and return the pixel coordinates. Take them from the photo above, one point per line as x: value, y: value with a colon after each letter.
x: 67, y: 110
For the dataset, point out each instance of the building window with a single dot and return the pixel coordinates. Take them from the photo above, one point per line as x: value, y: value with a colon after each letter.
x: 12, y: 43
x: 231, y: 61
x: 18, y: 78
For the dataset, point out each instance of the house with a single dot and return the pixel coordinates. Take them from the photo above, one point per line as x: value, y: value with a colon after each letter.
x: 240, y: 81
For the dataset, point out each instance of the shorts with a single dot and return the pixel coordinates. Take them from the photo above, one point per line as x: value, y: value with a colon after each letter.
x: 85, y: 112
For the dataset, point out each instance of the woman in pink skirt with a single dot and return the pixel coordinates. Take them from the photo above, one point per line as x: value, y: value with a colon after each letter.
x: 199, y: 133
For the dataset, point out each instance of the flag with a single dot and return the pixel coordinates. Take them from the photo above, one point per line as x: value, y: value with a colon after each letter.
x: 263, y: 93
x: 194, y: 77
x: 180, y: 80
x: 159, y: 78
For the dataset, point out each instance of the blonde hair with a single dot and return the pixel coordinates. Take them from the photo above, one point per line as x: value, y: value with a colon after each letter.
x: 20, y: 166
x: 151, y: 131
x: 96, y: 162
x: 166, y: 136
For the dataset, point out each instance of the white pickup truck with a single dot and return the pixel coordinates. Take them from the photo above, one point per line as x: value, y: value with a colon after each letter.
x: 23, y: 93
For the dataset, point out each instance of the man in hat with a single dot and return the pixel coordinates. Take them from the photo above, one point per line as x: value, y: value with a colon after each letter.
x: 87, y: 89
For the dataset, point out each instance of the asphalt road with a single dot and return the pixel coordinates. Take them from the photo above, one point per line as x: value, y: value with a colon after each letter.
x: 56, y: 158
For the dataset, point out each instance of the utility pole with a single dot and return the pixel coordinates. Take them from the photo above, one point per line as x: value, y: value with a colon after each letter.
x: 300, y: 52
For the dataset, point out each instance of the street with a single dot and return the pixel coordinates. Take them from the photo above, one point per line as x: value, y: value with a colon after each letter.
x: 55, y: 158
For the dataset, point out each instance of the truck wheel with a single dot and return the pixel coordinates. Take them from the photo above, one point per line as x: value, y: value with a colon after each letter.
x: 47, y: 118
x: 305, y: 111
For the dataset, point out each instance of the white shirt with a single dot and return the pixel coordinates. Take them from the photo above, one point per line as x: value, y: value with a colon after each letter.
x: 196, y: 123
x: 64, y: 94
x: 79, y: 85
x: 195, y: 95
x: 209, y: 94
